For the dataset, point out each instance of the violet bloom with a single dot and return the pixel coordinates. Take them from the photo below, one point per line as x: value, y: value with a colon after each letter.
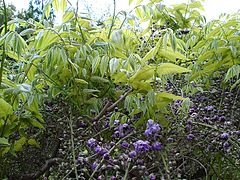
x: 170, y: 140
x: 150, y: 123
x: 152, y: 177
x: 94, y: 165
x: 132, y: 154
x: 238, y: 132
x: 209, y: 108
x: 222, y: 118
x: 224, y: 136
x: 155, y: 128
x: 226, y: 145
x: 106, y: 156
x: 190, y: 137
x: 124, y: 145
x: 148, y: 132
x: 98, y: 149
x: 91, y: 143
x: 152, y: 128
x: 157, y: 146
x: 141, y: 146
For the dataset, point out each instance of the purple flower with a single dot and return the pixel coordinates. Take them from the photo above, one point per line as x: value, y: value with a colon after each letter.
x: 132, y: 154
x: 140, y: 161
x: 190, y: 137
x: 224, y: 136
x: 152, y: 128
x: 188, y: 127
x: 150, y: 123
x: 98, y: 149
x: 157, y: 146
x: 222, y: 118
x: 155, y: 128
x: 189, y: 122
x: 106, y: 156
x: 113, y: 178
x: 206, y: 119
x: 152, y: 176
x: 116, y: 122
x: 91, y: 143
x: 238, y: 132
x: 226, y: 145
x: 170, y: 140
x: 148, y: 132
x: 124, y: 145
x: 94, y: 165
x: 141, y: 146
x: 103, y: 151
x: 209, y: 108
x: 193, y: 115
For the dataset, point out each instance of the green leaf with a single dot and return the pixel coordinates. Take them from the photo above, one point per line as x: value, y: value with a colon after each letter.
x: 232, y: 72
x: 4, y: 142
x: 169, y: 68
x: 144, y: 73
x: 113, y: 65
x: 170, y: 55
x: 99, y: 79
x: 169, y: 96
x: 55, y: 4
x: 152, y: 52
x: 27, y: 31
x: 130, y: 2
x: 95, y: 64
x: 120, y: 77
x: 63, y: 5
x: 35, y: 123
x: 68, y: 15
x: 90, y: 91
x: 18, y: 145
x: 141, y: 85
x: 103, y: 65
x: 5, y: 108
x: 33, y: 142
x: 81, y: 81
x: 47, y: 9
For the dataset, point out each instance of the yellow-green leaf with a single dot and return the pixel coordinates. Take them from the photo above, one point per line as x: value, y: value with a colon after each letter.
x: 67, y: 16
x: 144, y: 73
x: 81, y: 81
x: 152, y: 52
x: 18, y: 145
x: 4, y: 142
x: 169, y: 68
x: 170, y: 55
x: 55, y: 4
x: 63, y: 5
x: 5, y: 108
x: 33, y: 142
x: 169, y: 96
x: 120, y: 77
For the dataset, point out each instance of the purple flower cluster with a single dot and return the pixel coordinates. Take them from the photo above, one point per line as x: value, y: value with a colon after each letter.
x: 152, y: 128
x: 91, y: 143
x: 141, y: 146
x: 122, y: 130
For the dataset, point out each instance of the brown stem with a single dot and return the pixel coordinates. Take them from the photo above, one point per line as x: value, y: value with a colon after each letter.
x: 41, y: 171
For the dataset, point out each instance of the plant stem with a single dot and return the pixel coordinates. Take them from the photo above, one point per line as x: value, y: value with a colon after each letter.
x: 113, y: 18
x: 4, y: 45
x: 72, y: 143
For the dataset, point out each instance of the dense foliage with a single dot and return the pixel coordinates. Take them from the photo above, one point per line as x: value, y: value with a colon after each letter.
x: 151, y: 93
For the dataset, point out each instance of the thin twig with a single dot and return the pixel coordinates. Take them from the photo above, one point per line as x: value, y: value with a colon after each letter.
x: 119, y: 100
